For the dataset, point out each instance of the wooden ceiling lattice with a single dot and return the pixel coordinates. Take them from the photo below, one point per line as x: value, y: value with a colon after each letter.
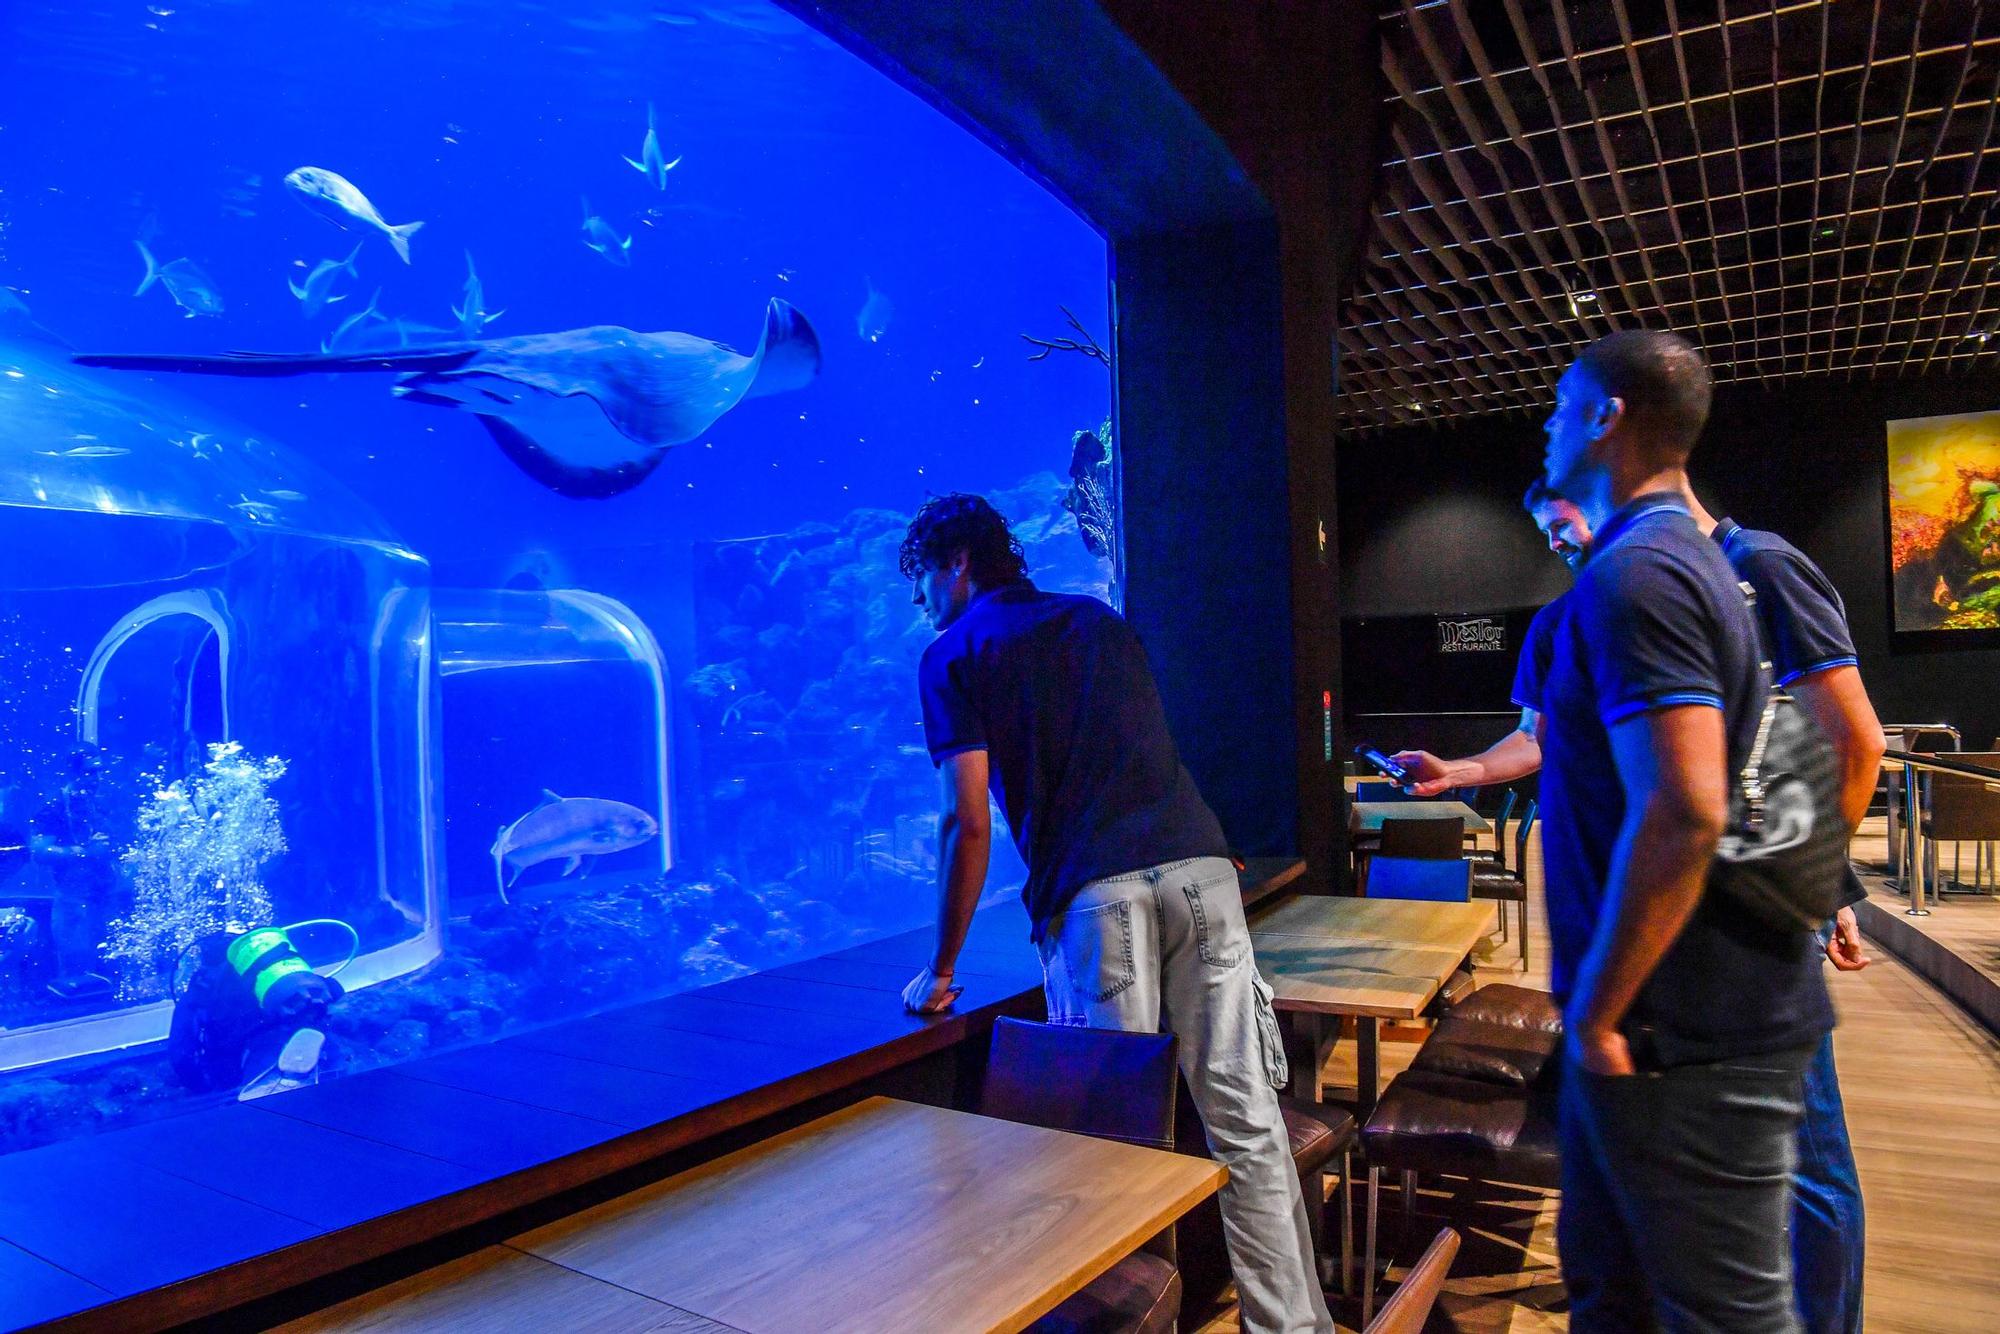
x: 1799, y: 186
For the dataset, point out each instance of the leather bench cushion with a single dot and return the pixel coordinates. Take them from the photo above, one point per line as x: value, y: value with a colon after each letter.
x: 1316, y: 1133
x: 1516, y: 1007
x: 1496, y: 1053
x: 1141, y: 1294
x: 1498, y: 885
x: 1466, y: 1127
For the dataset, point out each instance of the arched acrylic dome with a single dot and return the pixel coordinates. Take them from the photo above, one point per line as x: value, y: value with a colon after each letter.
x: 80, y: 441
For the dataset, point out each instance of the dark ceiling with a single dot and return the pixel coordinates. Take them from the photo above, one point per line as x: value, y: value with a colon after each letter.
x: 1803, y: 188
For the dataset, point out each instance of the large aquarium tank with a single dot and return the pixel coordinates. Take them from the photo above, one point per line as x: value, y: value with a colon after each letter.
x: 452, y: 463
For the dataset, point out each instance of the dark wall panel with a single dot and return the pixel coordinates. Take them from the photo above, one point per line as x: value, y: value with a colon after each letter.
x: 1427, y: 517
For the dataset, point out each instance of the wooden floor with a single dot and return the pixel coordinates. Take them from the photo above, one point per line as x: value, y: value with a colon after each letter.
x: 1922, y: 1085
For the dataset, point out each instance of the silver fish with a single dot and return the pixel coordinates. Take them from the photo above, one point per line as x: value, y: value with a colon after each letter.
x: 650, y: 163
x: 585, y: 412
x: 872, y: 320
x: 597, y: 234
x: 192, y: 290
x: 568, y: 829
x: 317, y: 293
x: 344, y: 338
x: 85, y: 452
x: 473, y: 317
x: 336, y: 199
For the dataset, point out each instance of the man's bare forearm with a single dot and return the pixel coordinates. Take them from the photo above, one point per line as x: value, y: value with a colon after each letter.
x: 1515, y: 755
x: 962, y: 855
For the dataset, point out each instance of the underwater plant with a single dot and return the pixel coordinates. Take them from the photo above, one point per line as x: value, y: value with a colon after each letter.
x: 196, y: 865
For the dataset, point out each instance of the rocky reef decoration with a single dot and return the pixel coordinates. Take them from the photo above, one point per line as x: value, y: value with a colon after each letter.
x: 1089, y: 497
x: 196, y: 865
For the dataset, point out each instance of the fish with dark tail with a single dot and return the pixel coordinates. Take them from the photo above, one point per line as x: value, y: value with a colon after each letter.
x: 586, y: 412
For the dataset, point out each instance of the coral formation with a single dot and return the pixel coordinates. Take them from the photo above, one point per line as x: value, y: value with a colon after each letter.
x: 196, y: 865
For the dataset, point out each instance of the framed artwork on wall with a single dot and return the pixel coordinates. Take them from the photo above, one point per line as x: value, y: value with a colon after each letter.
x: 1943, y: 516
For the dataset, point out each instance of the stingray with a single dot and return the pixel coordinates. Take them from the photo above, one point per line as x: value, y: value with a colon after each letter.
x: 585, y: 412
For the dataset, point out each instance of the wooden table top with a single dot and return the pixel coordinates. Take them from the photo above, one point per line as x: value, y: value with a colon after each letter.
x: 1384, y: 958
x: 884, y: 1215
x: 1366, y: 817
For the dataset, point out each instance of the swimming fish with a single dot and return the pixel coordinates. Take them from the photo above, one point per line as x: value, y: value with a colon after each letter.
x: 597, y: 234
x: 17, y: 320
x: 872, y: 321
x: 317, y: 294
x: 473, y: 316
x: 650, y: 164
x: 85, y: 452
x: 192, y: 290
x: 343, y: 338
x: 570, y: 828
x: 585, y: 412
x: 336, y: 199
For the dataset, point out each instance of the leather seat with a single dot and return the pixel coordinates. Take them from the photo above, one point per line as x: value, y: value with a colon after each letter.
x: 1141, y: 1294
x: 1433, y: 1122
x: 1516, y: 1007
x: 1316, y: 1134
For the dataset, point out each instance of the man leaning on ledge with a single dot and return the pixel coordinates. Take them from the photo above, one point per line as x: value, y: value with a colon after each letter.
x: 1046, y: 699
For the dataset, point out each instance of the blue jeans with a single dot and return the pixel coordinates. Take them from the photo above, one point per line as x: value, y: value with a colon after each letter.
x: 1828, y: 1228
x: 1166, y: 950
x: 1676, y: 1189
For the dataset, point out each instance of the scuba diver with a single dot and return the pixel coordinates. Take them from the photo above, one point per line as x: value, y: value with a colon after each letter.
x: 252, y: 1012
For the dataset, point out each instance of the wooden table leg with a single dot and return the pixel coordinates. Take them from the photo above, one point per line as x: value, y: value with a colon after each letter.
x: 1303, y: 1052
x: 1367, y: 1067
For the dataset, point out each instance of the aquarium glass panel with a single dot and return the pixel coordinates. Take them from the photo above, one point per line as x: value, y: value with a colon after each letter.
x: 452, y: 464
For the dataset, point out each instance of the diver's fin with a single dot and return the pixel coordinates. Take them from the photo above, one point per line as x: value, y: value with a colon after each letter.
x: 787, y: 355
x: 570, y: 868
x: 152, y: 270
x: 438, y: 356
x: 399, y: 237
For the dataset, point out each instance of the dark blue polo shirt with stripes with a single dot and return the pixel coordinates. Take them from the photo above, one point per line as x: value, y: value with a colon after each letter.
x: 1657, y: 620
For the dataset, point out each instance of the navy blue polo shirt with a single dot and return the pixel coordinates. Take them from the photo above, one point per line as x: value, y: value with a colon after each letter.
x: 1656, y: 620
x: 1803, y: 618
x: 1531, y: 671
x: 1054, y: 687
x: 1805, y: 623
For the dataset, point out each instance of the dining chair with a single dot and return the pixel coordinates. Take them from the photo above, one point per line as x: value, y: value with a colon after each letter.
x: 1409, y: 1307
x: 1437, y: 840
x: 1511, y: 886
x: 1114, y: 1085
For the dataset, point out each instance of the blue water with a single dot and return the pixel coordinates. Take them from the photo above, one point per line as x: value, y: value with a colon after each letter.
x: 428, y: 638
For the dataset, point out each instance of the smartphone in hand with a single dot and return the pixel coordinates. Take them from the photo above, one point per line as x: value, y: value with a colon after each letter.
x: 1383, y: 765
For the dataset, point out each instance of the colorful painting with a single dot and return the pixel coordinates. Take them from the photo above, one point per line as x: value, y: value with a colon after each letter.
x: 1944, y: 522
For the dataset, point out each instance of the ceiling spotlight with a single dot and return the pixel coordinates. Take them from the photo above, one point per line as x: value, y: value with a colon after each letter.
x: 1582, y: 296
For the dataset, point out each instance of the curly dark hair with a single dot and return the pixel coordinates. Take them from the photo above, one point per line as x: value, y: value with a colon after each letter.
x: 958, y: 522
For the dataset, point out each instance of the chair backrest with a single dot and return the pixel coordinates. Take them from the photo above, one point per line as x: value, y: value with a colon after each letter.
x: 1442, y: 840
x: 1410, y: 1306
x: 1089, y: 1081
x: 1962, y: 807
x: 1500, y: 826
x: 1378, y: 789
x: 1521, y: 838
x: 1420, y: 878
